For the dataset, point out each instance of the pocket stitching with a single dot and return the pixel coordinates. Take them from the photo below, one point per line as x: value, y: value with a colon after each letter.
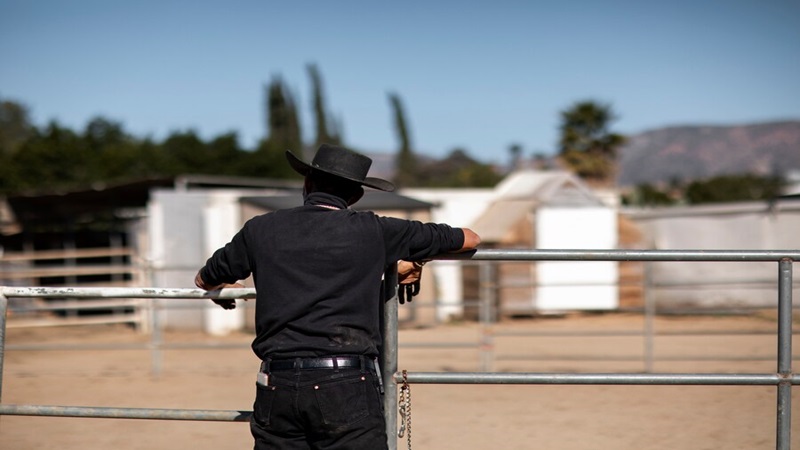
x: 330, y: 408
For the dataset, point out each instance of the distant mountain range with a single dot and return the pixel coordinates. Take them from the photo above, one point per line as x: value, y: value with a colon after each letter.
x: 689, y: 153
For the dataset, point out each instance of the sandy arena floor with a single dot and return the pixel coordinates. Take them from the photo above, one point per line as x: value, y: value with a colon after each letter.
x: 443, y: 416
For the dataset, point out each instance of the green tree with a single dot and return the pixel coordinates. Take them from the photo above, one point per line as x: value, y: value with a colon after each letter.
x: 458, y: 169
x: 225, y: 155
x: 111, y: 153
x: 405, y: 161
x: 15, y: 130
x: 15, y: 126
x: 283, y: 125
x: 586, y: 144
x: 268, y: 160
x: 647, y: 195
x: 732, y: 188
x: 283, y: 133
x: 53, y: 158
x: 184, y: 153
x: 148, y: 161
x: 323, y: 122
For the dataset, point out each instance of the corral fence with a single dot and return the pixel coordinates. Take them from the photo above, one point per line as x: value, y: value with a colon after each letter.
x: 116, y: 265
x: 783, y: 378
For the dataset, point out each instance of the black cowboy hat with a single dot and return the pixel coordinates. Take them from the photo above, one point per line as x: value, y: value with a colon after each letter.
x: 341, y: 162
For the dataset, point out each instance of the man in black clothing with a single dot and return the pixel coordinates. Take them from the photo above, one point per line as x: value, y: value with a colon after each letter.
x: 317, y: 270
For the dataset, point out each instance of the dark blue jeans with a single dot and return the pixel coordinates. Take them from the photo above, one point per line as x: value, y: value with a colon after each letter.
x: 319, y: 409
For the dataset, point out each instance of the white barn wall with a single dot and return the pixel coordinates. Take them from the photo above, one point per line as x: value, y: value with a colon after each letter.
x: 221, y: 220
x: 186, y: 227
x: 567, y: 285
x: 176, y: 232
x: 739, y: 226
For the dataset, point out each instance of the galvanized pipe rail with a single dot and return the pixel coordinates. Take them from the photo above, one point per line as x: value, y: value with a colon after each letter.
x: 784, y: 379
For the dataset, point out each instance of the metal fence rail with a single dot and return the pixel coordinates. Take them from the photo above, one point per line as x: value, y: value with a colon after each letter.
x: 126, y: 413
x: 783, y: 377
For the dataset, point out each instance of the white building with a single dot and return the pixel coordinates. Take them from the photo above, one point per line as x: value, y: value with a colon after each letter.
x: 551, y: 210
x: 722, y: 226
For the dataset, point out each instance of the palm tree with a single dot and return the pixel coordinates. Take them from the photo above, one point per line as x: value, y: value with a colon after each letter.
x: 586, y: 144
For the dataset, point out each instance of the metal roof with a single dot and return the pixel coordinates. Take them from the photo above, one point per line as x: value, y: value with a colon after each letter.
x: 85, y: 205
x: 547, y: 187
x: 500, y: 217
x: 782, y: 203
x: 521, y: 192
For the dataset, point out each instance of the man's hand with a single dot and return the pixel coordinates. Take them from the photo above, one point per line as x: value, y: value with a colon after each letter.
x: 409, y: 272
x: 225, y: 303
x: 409, y: 275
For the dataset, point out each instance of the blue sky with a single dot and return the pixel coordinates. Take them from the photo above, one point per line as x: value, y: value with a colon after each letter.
x: 475, y: 75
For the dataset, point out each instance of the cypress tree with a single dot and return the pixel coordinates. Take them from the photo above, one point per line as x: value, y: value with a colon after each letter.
x: 406, y: 162
x: 324, y: 134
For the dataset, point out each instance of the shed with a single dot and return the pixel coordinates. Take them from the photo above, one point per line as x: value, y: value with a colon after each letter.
x: 97, y: 235
x: 550, y: 210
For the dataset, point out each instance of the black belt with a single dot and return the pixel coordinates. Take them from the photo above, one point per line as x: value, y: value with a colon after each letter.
x: 333, y: 362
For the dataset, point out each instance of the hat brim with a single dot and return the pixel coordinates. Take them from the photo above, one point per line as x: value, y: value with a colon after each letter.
x: 304, y: 169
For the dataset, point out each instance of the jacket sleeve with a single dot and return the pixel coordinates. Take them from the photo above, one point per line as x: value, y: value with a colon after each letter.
x: 414, y: 240
x: 229, y: 263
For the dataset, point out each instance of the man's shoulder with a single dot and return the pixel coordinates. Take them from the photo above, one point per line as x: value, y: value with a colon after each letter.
x: 261, y: 218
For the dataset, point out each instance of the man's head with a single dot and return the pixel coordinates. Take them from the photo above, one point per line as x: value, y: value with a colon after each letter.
x: 339, y: 163
x: 317, y: 181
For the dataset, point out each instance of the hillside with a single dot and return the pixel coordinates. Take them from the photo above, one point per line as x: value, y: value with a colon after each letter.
x: 697, y: 152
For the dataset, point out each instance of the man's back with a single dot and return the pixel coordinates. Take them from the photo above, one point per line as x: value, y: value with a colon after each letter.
x: 318, y: 273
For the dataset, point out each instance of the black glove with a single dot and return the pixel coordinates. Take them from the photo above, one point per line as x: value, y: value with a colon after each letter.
x: 408, y: 291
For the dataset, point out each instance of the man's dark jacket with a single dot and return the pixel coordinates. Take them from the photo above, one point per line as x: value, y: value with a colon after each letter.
x: 318, y: 271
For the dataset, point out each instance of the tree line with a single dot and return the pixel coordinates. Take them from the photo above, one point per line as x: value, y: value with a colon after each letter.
x: 719, y: 189
x: 54, y: 157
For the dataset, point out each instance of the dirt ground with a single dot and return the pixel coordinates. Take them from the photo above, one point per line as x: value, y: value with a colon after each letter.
x: 443, y: 416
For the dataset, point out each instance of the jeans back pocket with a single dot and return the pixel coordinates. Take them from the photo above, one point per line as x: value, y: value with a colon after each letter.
x: 262, y: 408
x: 342, y: 402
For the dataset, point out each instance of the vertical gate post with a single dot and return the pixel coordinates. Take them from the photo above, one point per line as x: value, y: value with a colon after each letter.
x: 784, y: 422
x: 389, y: 354
x: 649, y: 316
x: 3, y: 317
x: 486, y: 319
x: 156, y: 339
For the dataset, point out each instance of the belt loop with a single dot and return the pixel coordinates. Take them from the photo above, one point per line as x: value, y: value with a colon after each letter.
x: 335, y: 363
x: 297, y: 365
x: 265, y: 365
x: 363, y: 360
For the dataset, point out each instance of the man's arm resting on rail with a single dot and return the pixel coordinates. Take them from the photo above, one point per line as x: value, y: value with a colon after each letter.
x: 409, y: 273
x: 225, y: 303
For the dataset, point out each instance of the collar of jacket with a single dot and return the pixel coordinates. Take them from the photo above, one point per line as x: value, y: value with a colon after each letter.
x: 322, y: 198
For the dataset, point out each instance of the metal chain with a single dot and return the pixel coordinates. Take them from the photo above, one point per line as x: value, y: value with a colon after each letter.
x: 405, y: 409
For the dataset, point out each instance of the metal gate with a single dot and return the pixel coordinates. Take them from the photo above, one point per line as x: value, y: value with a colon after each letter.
x: 782, y: 378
